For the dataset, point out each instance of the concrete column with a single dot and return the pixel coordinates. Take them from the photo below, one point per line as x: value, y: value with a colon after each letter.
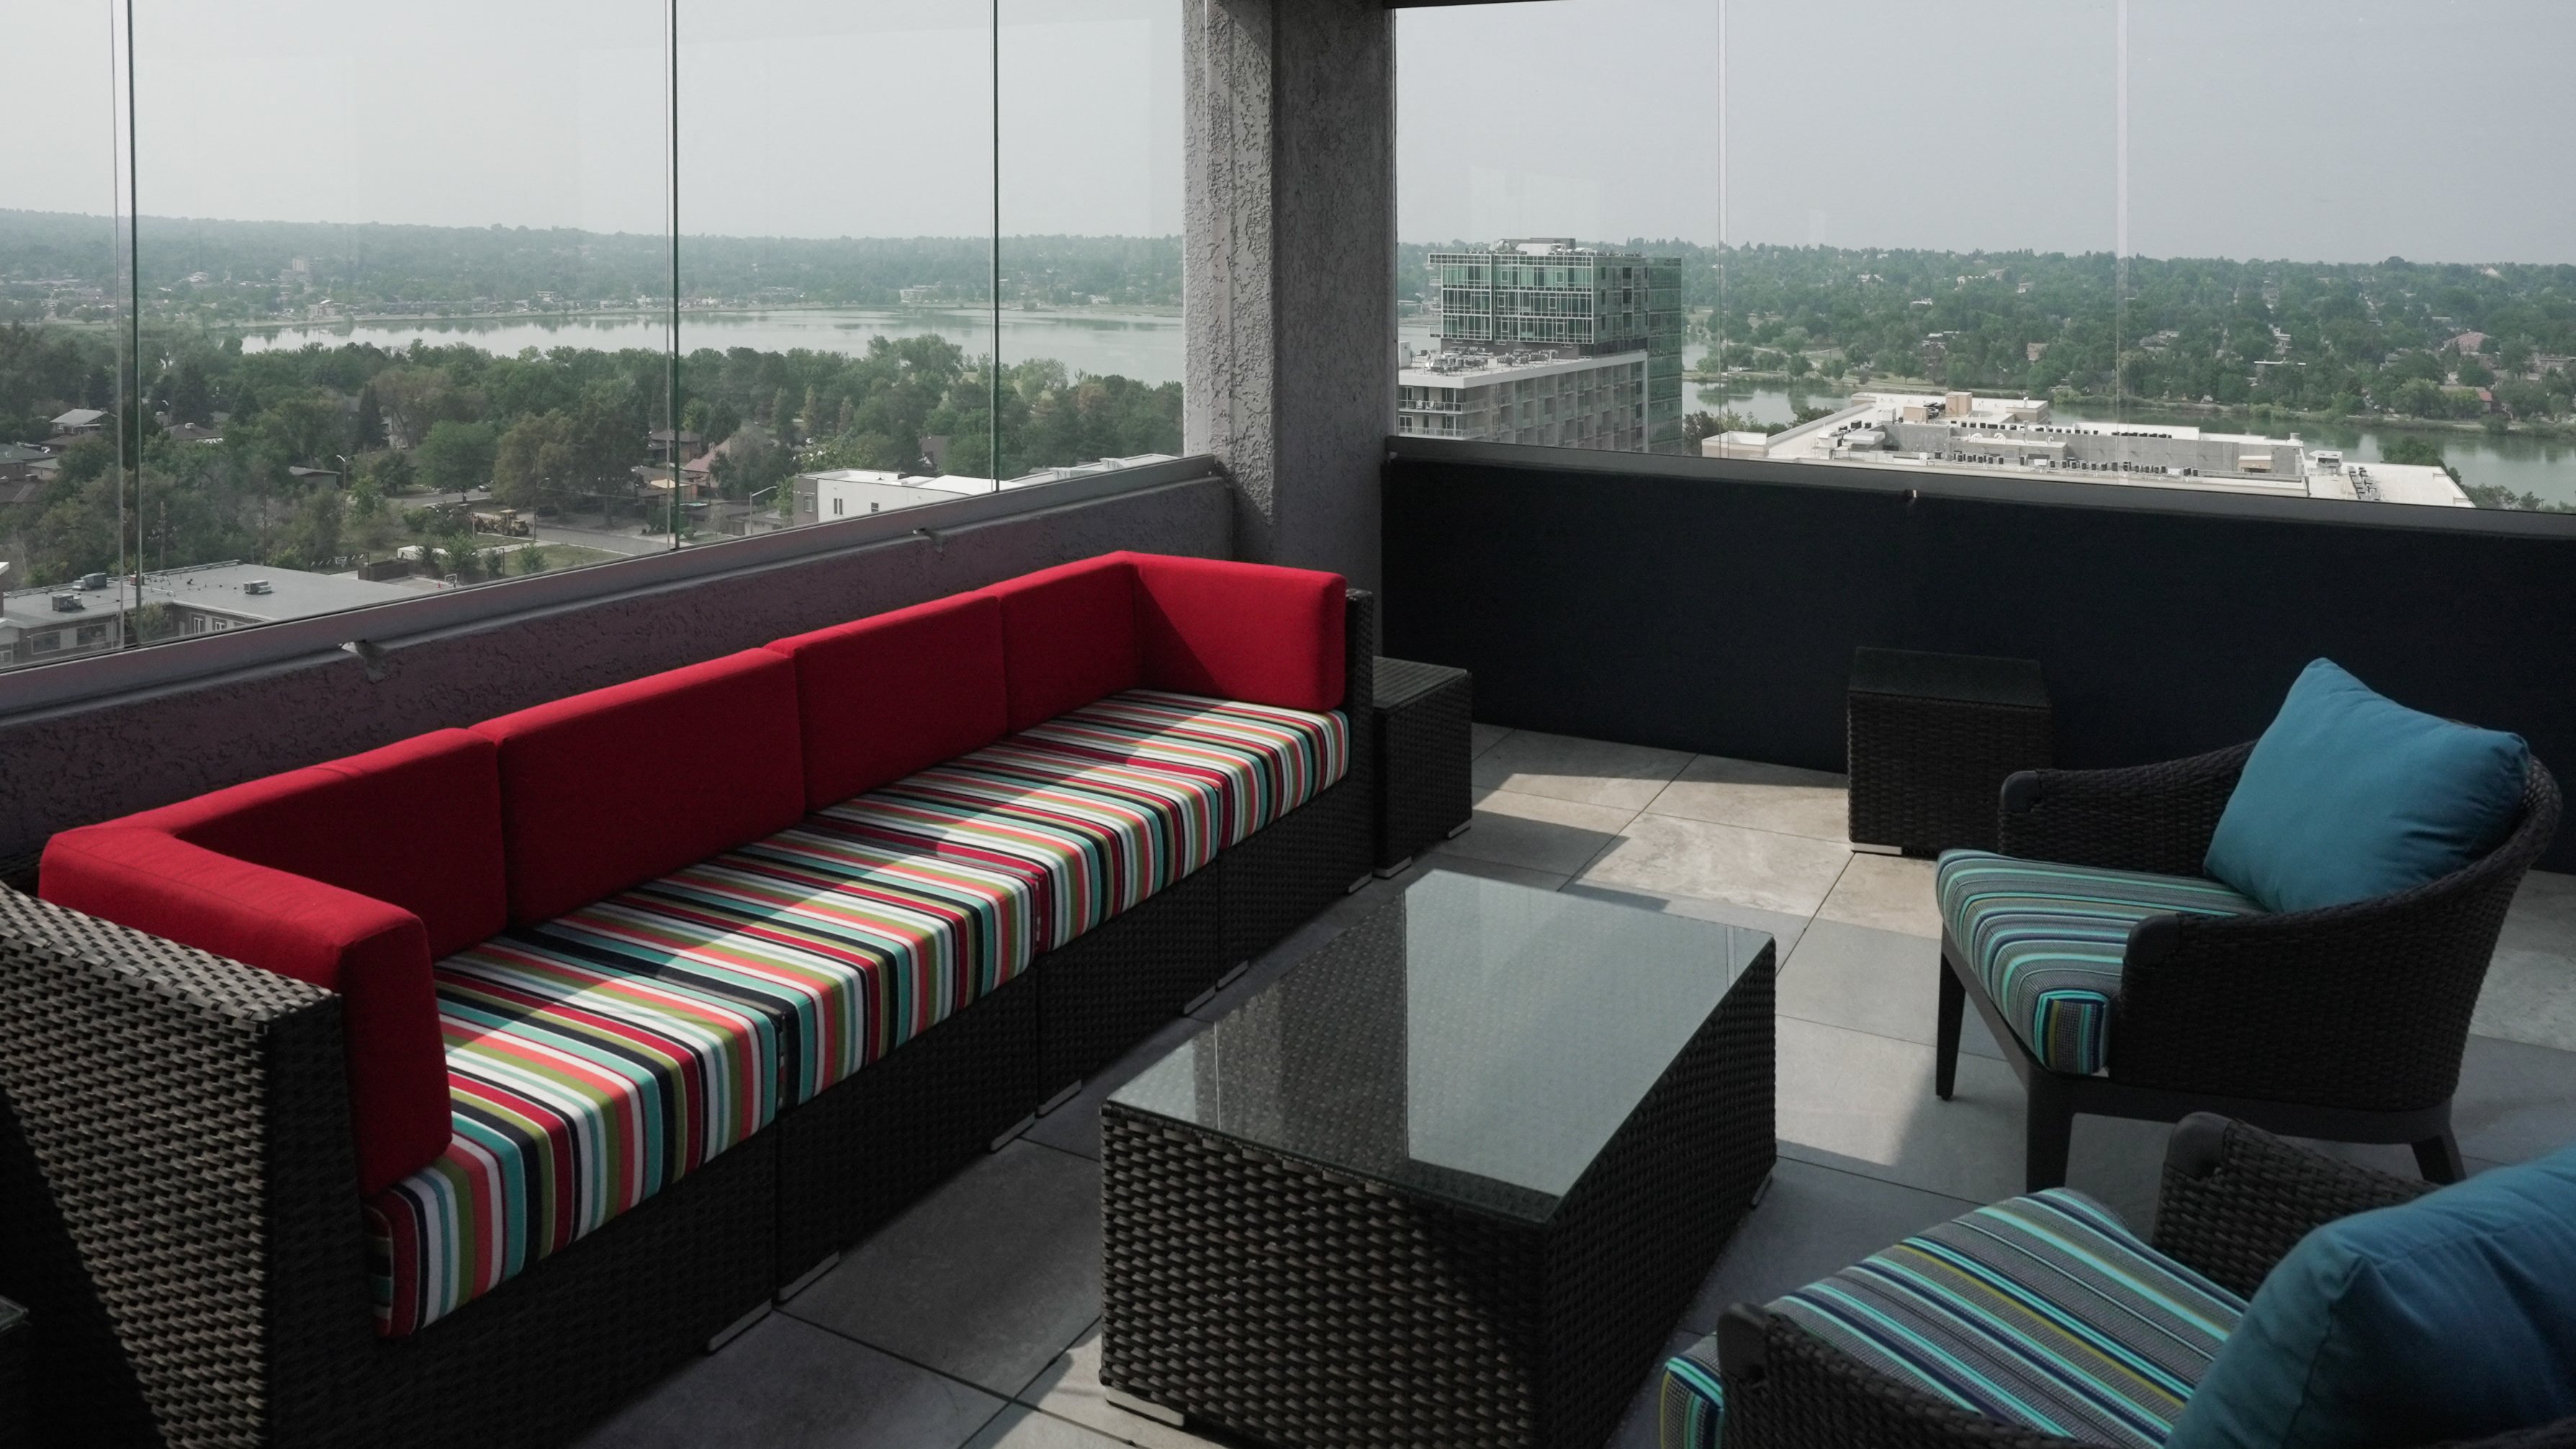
x: 1290, y: 244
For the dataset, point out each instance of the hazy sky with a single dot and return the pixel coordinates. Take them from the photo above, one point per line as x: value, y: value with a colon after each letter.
x: 2314, y: 129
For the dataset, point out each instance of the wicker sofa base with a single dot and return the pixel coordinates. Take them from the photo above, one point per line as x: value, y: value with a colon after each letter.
x: 853, y: 1157
x: 1301, y: 1306
x: 177, y: 1170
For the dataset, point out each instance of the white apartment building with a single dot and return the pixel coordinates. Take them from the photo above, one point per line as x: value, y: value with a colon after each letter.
x: 1542, y: 397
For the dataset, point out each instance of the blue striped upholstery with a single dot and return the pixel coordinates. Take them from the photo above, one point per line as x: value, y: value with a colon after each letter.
x: 2042, y: 1312
x: 2047, y: 940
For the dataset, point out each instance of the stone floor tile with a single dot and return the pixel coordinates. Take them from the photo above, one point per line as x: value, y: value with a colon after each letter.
x: 1075, y: 1126
x: 1864, y: 1103
x: 2515, y: 1101
x: 1877, y: 981
x: 1783, y: 926
x: 1021, y: 1427
x: 1482, y: 737
x: 790, y: 1384
x: 1070, y: 1390
x: 1440, y: 857
x: 1537, y: 832
x: 1889, y: 892
x: 986, y: 1280
x: 1761, y: 797
x: 1562, y: 767
x: 1814, y: 1221
x: 1667, y: 855
x: 2530, y: 993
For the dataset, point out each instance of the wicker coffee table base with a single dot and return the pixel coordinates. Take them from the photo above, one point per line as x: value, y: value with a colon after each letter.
x: 1305, y: 1307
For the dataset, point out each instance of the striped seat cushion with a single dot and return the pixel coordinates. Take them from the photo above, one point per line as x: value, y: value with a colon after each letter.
x: 601, y: 1056
x: 2043, y: 1312
x: 1099, y: 808
x: 2047, y: 941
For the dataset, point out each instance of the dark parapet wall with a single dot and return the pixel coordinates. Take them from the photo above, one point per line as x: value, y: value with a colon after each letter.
x: 1714, y: 607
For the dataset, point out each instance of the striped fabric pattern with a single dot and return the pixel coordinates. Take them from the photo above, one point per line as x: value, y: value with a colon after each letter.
x: 1264, y: 760
x: 2043, y: 1311
x: 579, y: 1089
x: 1691, y: 1409
x: 599, y: 1057
x: 1101, y: 807
x: 2048, y: 940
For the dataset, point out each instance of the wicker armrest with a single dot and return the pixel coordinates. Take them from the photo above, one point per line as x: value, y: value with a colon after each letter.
x: 2364, y: 1005
x: 2147, y: 817
x: 1359, y: 681
x: 183, y: 1132
x: 2236, y: 1198
x: 1788, y: 1389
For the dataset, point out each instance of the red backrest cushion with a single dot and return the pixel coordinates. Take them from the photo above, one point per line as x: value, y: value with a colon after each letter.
x: 619, y: 785
x: 1253, y: 632
x: 1068, y: 636
x: 882, y: 697
x: 375, y: 955
x: 415, y: 824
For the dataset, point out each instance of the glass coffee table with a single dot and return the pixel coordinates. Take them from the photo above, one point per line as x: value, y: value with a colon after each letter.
x: 1451, y: 1180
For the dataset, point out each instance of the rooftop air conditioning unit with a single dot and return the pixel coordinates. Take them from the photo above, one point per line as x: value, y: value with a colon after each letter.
x: 256, y: 586
x: 68, y: 604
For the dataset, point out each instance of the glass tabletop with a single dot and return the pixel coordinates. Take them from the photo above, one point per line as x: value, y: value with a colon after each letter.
x: 1473, y: 1041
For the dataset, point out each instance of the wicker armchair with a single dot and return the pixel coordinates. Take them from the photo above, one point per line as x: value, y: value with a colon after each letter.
x: 2235, y: 1200
x: 2345, y: 1023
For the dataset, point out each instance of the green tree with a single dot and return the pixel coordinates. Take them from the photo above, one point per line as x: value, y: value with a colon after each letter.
x: 371, y: 421
x: 537, y: 463
x: 457, y: 457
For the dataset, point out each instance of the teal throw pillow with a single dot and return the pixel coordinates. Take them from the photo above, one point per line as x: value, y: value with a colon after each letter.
x: 2351, y: 795
x: 2450, y: 1317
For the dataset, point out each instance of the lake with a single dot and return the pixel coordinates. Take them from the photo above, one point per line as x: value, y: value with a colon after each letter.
x: 1144, y: 346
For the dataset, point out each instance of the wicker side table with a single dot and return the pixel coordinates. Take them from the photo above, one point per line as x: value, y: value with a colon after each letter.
x: 1420, y: 713
x: 1931, y: 738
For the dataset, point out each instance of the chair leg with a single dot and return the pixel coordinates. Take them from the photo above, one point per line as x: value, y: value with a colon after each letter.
x: 2048, y: 1129
x: 2438, y: 1158
x: 1945, y: 1051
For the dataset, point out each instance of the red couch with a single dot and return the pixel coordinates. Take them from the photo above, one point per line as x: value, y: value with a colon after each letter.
x: 645, y: 1001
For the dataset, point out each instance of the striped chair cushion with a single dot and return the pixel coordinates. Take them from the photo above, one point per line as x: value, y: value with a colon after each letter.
x: 601, y: 1056
x: 1101, y: 807
x: 2047, y: 941
x: 2043, y: 1312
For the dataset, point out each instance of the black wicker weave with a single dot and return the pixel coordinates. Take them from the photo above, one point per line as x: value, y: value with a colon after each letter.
x: 1305, y: 1305
x: 1929, y: 738
x: 1120, y: 982
x: 1425, y: 749
x: 2234, y: 1200
x: 179, y: 1186
x: 2345, y: 1023
x: 853, y: 1157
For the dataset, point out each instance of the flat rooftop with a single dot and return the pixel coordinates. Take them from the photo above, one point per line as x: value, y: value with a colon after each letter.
x: 1505, y: 367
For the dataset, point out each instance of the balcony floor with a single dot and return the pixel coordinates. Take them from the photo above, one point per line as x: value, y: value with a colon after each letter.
x: 973, y: 1319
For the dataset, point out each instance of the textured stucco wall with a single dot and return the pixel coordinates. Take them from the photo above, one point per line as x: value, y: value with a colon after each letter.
x: 93, y: 762
x: 1289, y: 155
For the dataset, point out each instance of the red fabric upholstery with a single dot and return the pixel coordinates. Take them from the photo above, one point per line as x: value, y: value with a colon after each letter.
x: 375, y: 955
x: 1240, y: 631
x: 617, y: 786
x: 885, y: 696
x: 415, y: 824
x: 1068, y: 636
